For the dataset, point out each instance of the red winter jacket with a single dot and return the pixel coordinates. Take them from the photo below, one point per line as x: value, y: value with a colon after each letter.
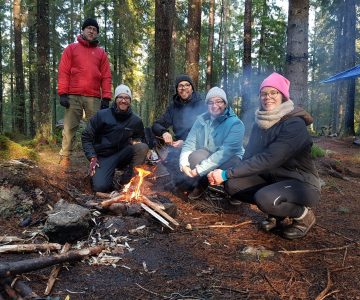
x: 84, y: 70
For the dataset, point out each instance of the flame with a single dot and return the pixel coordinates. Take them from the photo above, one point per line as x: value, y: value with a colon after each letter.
x: 132, y: 190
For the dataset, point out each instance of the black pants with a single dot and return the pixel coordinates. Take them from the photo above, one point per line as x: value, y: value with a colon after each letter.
x: 281, y: 198
x: 131, y: 155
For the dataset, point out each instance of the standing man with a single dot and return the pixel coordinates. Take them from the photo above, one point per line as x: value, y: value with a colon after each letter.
x: 114, y: 139
x: 180, y: 115
x: 84, y: 83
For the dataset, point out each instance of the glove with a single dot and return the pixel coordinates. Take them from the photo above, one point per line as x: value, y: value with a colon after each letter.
x: 64, y: 100
x: 93, y: 164
x: 104, y: 103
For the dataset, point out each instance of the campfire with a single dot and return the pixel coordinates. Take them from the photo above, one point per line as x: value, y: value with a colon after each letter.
x: 132, y: 193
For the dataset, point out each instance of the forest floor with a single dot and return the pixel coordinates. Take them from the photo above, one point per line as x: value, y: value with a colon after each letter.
x: 204, y: 257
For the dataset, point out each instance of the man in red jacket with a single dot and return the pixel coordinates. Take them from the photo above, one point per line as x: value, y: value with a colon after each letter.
x: 84, y: 83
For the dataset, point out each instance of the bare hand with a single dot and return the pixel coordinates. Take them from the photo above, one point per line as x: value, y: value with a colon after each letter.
x: 178, y: 144
x: 167, y: 138
x: 215, y: 177
x: 93, y: 165
x: 187, y: 171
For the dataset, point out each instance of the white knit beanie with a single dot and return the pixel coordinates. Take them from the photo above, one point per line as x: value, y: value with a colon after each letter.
x: 216, y: 92
x: 122, y: 89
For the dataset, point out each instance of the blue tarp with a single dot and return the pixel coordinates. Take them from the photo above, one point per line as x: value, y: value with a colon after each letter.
x: 353, y: 72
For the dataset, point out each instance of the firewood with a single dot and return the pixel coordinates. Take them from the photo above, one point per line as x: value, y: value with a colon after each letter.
x: 102, y: 195
x: 157, y: 208
x: 29, y: 248
x: 107, y: 203
x: 10, y: 239
x: 156, y: 215
x: 23, y: 266
x: 55, y: 271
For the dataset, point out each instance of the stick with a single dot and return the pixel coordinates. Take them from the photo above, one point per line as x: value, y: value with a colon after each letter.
x: 327, y: 288
x: 23, y: 266
x: 102, y: 195
x: 107, y: 203
x: 156, y: 215
x: 314, y: 250
x: 29, y: 248
x: 223, y: 226
x: 10, y: 239
x: 157, y: 208
x: 55, y: 272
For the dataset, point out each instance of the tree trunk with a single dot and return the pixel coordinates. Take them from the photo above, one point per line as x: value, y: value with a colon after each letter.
x: 261, y: 61
x: 20, y: 123
x: 210, y: 49
x: 44, y: 129
x: 247, y: 109
x: 32, y: 66
x: 225, y: 48
x: 1, y: 84
x: 193, y: 40
x: 296, y: 67
x: 164, y: 12
x: 350, y: 36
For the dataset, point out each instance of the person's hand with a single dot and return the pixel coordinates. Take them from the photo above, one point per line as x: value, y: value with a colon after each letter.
x: 215, y: 177
x: 93, y: 164
x: 105, y: 103
x: 178, y: 144
x: 167, y: 138
x: 64, y: 101
x: 187, y: 171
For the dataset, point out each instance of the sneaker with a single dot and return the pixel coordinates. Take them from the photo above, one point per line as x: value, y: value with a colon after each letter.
x: 196, y: 193
x: 235, y: 202
x: 270, y: 223
x: 300, y: 226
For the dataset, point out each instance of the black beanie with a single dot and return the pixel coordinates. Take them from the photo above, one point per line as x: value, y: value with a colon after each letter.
x: 183, y: 77
x: 90, y: 22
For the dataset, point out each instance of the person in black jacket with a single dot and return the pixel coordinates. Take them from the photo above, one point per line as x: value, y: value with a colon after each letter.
x: 114, y: 139
x: 277, y: 172
x: 180, y: 115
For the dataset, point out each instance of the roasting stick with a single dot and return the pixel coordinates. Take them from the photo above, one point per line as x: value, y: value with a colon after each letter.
x: 158, y: 209
x: 156, y: 215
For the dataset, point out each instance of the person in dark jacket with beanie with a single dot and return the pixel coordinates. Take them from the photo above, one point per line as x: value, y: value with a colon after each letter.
x: 114, y: 139
x: 180, y: 115
x: 84, y: 83
x: 277, y: 172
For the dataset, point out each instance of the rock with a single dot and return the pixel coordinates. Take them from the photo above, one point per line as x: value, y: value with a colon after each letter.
x: 67, y: 223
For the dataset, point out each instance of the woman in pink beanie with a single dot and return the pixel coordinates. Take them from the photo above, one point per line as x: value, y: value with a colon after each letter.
x: 277, y: 172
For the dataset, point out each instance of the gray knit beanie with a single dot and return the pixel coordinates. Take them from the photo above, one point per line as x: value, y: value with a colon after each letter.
x: 122, y: 89
x: 216, y: 92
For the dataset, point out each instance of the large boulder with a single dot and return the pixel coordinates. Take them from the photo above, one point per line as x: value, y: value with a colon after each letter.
x: 67, y: 223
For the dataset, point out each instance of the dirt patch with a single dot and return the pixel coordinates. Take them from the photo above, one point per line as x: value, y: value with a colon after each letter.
x: 203, y: 258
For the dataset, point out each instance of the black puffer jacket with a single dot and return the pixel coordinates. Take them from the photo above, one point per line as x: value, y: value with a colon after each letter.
x: 109, y: 130
x: 180, y: 116
x: 282, y: 151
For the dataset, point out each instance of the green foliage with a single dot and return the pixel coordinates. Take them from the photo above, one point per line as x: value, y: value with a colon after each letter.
x: 12, y: 150
x: 317, y: 151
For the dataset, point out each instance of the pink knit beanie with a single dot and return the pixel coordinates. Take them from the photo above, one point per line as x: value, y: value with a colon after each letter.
x: 277, y: 81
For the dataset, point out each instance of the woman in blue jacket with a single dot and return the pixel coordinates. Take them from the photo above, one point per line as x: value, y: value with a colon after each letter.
x: 277, y: 172
x: 215, y: 137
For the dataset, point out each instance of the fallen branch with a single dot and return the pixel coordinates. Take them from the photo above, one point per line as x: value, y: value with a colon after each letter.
x: 322, y: 295
x: 18, y: 267
x: 55, y: 272
x: 156, y: 215
x: 314, y: 250
x: 223, y: 226
x: 29, y: 248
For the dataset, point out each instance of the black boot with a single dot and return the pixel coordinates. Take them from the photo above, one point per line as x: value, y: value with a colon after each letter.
x: 270, y: 223
x: 300, y: 227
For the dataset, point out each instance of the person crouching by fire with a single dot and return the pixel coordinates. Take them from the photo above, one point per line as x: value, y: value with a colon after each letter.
x: 185, y: 105
x: 214, y: 141
x: 277, y: 172
x: 113, y: 139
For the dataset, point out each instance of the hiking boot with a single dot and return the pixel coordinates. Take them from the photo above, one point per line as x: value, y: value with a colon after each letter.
x: 196, y: 193
x: 300, y: 226
x: 65, y: 161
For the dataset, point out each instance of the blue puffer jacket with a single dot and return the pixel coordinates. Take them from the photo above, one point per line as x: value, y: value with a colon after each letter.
x: 223, y: 137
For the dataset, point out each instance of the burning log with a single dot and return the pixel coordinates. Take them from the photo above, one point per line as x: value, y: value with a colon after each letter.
x: 103, y: 195
x: 18, y: 267
x: 29, y: 248
x: 107, y: 203
x: 55, y: 272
